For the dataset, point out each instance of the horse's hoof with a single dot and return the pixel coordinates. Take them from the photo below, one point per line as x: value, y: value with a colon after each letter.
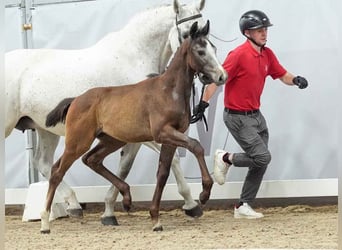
x: 109, y: 221
x: 126, y: 207
x: 204, y: 197
x: 75, y: 213
x: 158, y: 228
x: 195, y: 212
x: 46, y: 231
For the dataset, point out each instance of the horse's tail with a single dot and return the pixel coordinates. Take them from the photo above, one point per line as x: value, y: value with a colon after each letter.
x: 59, y: 113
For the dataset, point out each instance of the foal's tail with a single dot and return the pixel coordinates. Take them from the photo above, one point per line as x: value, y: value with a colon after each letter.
x: 59, y: 113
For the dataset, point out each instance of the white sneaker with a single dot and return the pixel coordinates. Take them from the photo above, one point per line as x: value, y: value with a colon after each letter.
x: 245, y: 211
x: 220, y: 167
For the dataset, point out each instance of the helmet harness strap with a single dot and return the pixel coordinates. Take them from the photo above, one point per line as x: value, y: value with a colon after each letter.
x: 261, y: 46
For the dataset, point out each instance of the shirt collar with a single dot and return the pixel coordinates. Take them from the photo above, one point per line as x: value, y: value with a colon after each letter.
x: 249, y: 46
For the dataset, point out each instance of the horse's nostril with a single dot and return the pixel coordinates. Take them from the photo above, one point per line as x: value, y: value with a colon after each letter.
x: 222, y: 78
x: 225, y: 77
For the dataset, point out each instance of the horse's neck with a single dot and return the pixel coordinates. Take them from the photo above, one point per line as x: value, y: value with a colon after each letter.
x: 148, y: 34
x: 180, y: 72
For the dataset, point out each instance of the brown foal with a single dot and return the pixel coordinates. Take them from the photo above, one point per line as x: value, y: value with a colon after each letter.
x: 156, y: 109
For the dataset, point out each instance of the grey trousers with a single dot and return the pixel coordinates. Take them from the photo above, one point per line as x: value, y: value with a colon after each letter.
x: 251, y: 133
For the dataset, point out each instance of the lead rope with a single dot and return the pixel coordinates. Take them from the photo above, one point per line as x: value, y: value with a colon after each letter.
x: 222, y: 40
x: 193, y: 83
x: 204, y: 118
x: 192, y: 120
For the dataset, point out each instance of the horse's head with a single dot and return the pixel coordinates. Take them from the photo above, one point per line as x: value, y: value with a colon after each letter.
x: 203, y: 58
x: 186, y: 15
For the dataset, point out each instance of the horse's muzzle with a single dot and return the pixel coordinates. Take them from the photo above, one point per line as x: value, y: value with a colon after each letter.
x: 206, y: 79
x: 222, y: 78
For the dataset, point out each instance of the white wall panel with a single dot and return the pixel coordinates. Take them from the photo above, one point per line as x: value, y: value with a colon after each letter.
x: 302, y: 123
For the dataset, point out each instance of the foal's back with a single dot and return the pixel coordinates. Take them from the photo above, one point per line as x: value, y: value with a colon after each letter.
x: 130, y: 113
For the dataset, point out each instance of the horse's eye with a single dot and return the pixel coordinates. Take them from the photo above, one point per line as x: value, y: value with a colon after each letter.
x: 201, y: 52
x: 185, y: 36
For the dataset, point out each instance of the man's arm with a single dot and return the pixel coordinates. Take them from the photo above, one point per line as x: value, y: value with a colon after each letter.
x: 290, y: 79
x: 209, y: 92
x: 287, y: 78
x: 199, y: 109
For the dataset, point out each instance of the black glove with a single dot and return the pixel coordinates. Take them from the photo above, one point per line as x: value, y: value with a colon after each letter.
x: 198, y: 111
x: 301, y: 82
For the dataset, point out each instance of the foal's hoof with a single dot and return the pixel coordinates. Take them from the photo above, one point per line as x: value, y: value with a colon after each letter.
x: 46, y: 231
x: 158, y: 228
x: 126, y: 207
x: 194, y: 212
x: 204, y: 197
x: 75, y: 213
x: 109, y: 221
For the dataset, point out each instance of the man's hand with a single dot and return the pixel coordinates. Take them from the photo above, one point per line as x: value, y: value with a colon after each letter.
x: 301, y: 82
x: 198, y: 111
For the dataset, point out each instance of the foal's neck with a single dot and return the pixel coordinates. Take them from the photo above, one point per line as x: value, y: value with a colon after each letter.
x: 179, y: 71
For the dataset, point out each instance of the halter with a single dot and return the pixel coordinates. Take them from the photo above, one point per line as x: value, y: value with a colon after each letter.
x: 183, y: 21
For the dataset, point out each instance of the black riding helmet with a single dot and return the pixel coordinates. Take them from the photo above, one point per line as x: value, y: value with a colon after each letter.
x: 253, y: 19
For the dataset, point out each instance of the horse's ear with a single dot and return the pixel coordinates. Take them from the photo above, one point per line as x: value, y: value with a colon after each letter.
x: 201, y: 5
x: 205, y: 29
x: 176, y: 6
x: 193, y: 30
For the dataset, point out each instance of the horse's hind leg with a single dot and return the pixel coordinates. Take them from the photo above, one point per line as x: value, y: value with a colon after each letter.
x: 128, y: 154
x: 94, y: 159
x: 57, y: 173
x: 43, y: 160
x: 191, y: 207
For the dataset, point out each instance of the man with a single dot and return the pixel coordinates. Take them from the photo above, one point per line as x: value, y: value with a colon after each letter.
x: 247, y: 66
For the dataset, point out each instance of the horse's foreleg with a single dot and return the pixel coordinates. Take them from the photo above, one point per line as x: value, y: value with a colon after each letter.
x: 166, y: 154
x: 207, y: 182
x: 190, y: 207
x: 43, y: 160
x: 128, y: 154
x: 94, y: 159
x: 171, y: 136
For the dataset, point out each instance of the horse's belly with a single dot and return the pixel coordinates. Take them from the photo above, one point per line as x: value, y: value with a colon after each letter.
x: 131, y: 134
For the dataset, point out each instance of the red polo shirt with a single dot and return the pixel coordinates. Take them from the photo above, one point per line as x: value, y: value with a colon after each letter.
x: 247, y: 71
